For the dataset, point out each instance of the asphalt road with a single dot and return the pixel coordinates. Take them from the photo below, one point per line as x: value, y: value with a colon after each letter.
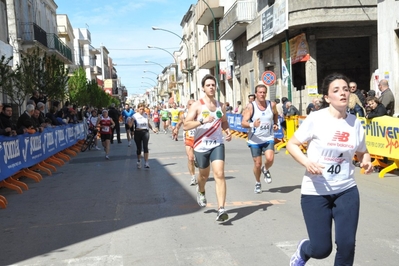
x: 97, y: 212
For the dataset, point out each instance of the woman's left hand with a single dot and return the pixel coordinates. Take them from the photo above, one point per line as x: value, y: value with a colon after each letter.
x: 368, y: 167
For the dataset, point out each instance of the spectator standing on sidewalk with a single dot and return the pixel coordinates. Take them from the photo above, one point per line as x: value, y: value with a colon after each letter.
x: 261, y: 117
x: 208, y: 117
x: 329, y: 191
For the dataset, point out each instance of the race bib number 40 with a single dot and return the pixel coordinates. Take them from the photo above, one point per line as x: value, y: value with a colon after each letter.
x: 336, y: 169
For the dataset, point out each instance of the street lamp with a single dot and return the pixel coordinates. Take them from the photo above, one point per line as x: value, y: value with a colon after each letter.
x: 151, y: 85
x: 149, y: 79
x: 145, y: 71
x: 188, y: 52
x: 154, y: 47
x: 150, y: 62
x: 216, y: 50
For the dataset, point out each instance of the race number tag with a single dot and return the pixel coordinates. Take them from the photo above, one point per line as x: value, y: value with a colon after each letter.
x: 105, y: 129
x: 208, y: 142
x: 336, y: 170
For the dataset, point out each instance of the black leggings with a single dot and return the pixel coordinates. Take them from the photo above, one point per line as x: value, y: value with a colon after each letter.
x: 141, y: 138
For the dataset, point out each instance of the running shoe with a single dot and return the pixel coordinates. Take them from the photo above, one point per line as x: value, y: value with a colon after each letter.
x: 107, y: 157
x: 296, y: 259
x: 201, y: 199
x: 146, y: 165
x: 97, y: 148
x: 258, y: 188
x: 222, y: 215
x: 193, y: 181
x: 129, y: 144
x: 267, y: 175
x: 138, y: 164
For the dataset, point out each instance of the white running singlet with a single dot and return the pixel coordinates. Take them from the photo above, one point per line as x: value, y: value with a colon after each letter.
x: 263, y: 133
x: 141, y: 121
x: 208, y: 135
x: 332, y: 148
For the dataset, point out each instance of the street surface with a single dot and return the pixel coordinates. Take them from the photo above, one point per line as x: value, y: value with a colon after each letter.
x: 97, y: 212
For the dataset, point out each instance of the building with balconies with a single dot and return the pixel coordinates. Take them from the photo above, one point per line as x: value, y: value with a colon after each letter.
x: 5, y: 47
x: 65, y: 35
x: 207, y: 17
x: 36, y: 27
x: 317, y: 37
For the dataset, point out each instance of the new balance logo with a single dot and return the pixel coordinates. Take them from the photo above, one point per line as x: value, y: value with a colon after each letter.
x: 341, y: 136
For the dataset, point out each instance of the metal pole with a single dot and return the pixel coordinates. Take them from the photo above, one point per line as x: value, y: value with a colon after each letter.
x: 216, y: 50
x: 188, y: 54
x: 288, y: 62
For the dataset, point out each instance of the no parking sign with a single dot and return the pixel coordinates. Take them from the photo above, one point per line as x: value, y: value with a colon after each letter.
x: 268, y: 77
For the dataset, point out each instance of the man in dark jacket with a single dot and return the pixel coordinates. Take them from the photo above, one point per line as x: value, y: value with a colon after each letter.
x: 7, y: 128
x: 114, y: 114
x: 25, y: 120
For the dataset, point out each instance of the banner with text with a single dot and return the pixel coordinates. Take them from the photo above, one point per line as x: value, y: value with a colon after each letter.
x: 26, y: 150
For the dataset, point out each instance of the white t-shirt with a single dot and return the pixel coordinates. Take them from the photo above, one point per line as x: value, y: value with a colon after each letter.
x: 333, y: 143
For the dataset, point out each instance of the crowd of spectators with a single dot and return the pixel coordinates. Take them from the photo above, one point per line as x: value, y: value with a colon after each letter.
x: 35, y: 117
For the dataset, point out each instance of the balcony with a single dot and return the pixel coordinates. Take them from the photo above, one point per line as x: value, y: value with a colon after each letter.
x: 84, y: 36
x: 235, y: 21
x: 31, y: 33
x: 58, y: 47
x: 207, y: 55
x: 204, y: 14
x: 97, y: 70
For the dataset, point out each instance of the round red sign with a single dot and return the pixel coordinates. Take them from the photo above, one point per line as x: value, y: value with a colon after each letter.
x: 268, y: 77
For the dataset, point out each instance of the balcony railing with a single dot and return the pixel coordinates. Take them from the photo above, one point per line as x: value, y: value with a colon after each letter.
x: 54, y: 42
x: 31, y: 32
x: 236, y: 19
x: 207, y: 55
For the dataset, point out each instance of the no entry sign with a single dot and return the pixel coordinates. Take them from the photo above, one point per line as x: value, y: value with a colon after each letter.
x: 268, y: 77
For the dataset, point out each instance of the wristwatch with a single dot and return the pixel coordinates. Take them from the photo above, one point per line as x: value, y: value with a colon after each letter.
x: 201, y: 120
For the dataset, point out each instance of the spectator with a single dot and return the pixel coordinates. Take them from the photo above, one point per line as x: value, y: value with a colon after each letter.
x: 25, y: 120
x: 238, y: 109
x: 251, y: 98
x: 114, y: 114
x: 371, y: 93
x: 229, y: 109
x: 7, y: 127
x: 72, y: 117
x: 359, y: 94
x: 35, y: 97
x: 279, y: 107
x: 51, y: 115
x: 376, y: 108
x: 355, y: 107
x: 41, y: 106
x: 37, y: 124
x: 387, y: 98
x: 312, y: 106
x: 291, y: 109
x: 284, y: 100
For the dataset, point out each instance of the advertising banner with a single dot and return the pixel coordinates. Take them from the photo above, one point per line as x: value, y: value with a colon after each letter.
x: 26, y: 150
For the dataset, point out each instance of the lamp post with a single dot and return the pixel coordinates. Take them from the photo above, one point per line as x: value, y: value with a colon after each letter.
x: 159, y: 48
x: 150, y: 79
x: 150, y: 62
x: 216, y: 50
x: 145, y: 71
x: 188, y: 53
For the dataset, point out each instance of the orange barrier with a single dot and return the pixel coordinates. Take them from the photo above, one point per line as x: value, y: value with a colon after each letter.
x: 14, y: 182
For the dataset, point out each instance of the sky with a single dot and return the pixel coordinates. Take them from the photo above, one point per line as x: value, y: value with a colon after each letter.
x: 124, y: 28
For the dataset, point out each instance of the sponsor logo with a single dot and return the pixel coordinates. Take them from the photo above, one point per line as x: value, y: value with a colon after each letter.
x: 341, y: 136
x: 25, y: 150
x: 35, y: 144
x: 11, y: 150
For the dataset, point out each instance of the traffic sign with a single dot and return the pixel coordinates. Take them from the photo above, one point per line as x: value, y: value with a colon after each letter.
x: 268, y: 77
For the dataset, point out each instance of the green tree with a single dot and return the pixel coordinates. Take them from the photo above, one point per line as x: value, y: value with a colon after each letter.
x: 6, y: 72
x: 53, y: 80
x: 77, y: 88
